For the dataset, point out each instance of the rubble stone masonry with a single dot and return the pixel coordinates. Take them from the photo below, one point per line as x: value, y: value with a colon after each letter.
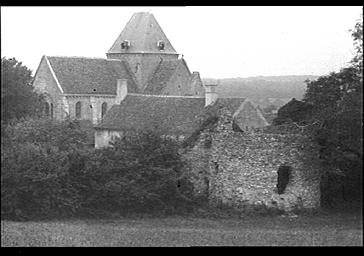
x: 239, y: 169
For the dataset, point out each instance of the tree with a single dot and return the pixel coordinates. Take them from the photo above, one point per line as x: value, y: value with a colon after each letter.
x: 337, y: 101
x: 293, y: 111
x: 142, y: 171
x: 18, y: 98
x: 38, y: 158
x: 48, y: 171
x: 357, y: 34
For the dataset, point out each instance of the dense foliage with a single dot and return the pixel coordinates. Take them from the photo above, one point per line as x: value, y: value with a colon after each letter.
x: 141, y: 172
x: 294, y: 111
x: 357, y: 34
x: 332, y: 112
x: 18, y: 99
x: 338, y: 113
x: 48, y: 171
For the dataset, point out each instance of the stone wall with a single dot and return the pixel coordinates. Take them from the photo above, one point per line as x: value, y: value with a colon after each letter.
x: 198, y: 169
x: 65, y: 105
x: 87, y: 112
x: 45, y: 83
x: 239, y: 169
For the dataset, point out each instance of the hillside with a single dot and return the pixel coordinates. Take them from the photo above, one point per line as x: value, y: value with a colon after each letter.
x: 264, y: 90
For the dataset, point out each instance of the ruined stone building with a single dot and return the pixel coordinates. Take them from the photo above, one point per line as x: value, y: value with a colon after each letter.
x: 144, y: 85
x: 230, y: 158
x: 241, y: 168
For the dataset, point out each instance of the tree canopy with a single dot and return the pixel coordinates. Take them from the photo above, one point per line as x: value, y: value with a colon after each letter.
x: 18, y: 99
x: 295, y: 111
x: 357, y: 34
x: 337, y: 101
x: 332, y: 112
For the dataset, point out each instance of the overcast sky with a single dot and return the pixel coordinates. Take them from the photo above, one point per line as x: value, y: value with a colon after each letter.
x: 218, y: 42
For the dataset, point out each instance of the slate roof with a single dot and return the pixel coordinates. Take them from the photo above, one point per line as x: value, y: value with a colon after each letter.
x: 80, y: 75
x: 143, y: 32
x: 167, y: 115
x: 162, y: 75
x: 164, y: 114
x: 232, y: 104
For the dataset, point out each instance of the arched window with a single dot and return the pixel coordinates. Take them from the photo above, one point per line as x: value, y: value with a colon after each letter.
x: 51, y: 110
x: 46, y: 109
x: 78, y: 110
x: 103, y: 109
x: 137, y: 67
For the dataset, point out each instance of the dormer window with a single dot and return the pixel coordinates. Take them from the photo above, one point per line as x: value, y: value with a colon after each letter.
x: 125, y: 44
x: 160, y: 45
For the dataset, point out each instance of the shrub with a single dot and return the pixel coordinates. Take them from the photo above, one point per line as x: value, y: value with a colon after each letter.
x: 34, y: 183
x: 47, y: 171
x: 35, y: 169
x: 143, y: 172
x: 295, y: 111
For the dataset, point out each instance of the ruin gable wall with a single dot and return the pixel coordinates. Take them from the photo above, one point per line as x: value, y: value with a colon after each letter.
x: 239, y: 169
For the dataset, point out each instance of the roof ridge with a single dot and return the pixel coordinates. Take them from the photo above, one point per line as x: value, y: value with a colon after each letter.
x: 232, y: 97
x: 165, y: 96
x: 75, y: 57
x: 148, y: 22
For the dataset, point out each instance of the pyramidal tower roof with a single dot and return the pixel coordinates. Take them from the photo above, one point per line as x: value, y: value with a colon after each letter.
x: 144, y: 34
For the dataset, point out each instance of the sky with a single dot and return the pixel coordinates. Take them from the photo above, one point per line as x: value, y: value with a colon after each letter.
x: 219, y: 42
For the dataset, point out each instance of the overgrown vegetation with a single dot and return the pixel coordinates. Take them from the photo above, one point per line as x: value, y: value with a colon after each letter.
x: 48, y: 171
x: 295, y: 111
x: 332, y: 112
x: 18, y: 99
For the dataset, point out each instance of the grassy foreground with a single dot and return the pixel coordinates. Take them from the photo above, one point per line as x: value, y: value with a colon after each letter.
x: 330, y: 230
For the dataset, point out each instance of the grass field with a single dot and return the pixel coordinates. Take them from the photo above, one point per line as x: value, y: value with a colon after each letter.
x: 323, y: 230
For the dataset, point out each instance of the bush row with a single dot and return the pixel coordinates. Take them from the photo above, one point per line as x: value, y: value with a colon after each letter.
x: 48, y: 171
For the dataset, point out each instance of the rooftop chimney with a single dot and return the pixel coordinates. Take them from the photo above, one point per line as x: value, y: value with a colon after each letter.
x: 121, y: 90
x: 196, y: 76
x: 210, y: 94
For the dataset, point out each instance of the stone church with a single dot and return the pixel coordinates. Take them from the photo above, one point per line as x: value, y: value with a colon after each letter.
x: 141, y: 56
x: 141, y: 61
x: 145, y: 85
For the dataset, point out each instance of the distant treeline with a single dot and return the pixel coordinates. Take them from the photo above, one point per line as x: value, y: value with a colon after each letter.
x: 262, y: 87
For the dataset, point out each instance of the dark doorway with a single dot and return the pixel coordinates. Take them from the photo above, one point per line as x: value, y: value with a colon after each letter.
x: 284, y: 173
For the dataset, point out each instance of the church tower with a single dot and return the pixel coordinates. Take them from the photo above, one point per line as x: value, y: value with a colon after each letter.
x: 143, y: 45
